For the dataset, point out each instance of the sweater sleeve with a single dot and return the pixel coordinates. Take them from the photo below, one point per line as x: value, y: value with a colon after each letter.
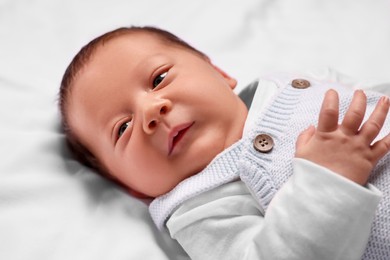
x: 315, y: 215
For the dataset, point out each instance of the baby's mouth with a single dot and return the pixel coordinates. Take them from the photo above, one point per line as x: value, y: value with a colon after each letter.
x: 176, y: 135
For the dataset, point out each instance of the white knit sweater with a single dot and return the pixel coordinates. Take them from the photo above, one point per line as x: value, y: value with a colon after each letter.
x: 291, y: 111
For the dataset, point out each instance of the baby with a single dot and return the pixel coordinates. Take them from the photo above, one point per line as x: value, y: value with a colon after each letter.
x: 152, y: 113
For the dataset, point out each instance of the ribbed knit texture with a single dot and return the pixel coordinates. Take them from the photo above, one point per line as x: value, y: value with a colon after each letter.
x: 291, y: 111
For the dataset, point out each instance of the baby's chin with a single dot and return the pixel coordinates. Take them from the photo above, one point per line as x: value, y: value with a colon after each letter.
x: 186, y: 176
x: 198, y: 167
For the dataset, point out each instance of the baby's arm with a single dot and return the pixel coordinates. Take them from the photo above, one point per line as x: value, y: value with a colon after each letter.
x: 347, y: 149
x: 317, y: 214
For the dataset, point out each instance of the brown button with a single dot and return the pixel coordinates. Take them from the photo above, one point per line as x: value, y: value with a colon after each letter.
x: 263, y: 143
x: 300, y: 83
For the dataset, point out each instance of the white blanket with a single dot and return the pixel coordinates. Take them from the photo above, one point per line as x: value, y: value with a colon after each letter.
x: 53, y: 208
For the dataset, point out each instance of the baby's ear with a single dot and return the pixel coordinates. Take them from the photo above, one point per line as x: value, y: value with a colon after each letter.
x: 231, y: 81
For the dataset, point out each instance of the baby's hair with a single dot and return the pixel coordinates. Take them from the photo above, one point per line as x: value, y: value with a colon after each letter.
x: 80, y: 151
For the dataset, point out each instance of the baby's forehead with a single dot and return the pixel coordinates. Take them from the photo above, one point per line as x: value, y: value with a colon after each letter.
x: 132, y: 51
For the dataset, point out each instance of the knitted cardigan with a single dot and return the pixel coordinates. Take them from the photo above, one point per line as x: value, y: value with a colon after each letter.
x: 290, y: 112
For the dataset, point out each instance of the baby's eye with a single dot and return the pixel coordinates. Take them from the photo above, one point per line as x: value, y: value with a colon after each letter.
x: 157, y: 80
x: 123, y: 128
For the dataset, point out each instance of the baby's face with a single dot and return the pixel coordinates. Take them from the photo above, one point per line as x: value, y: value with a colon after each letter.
x: 153, y: 114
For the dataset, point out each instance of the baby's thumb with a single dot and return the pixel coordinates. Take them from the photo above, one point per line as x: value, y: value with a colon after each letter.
x: 305, y: 136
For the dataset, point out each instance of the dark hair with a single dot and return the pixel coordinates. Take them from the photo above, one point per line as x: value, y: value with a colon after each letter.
x: 80, y: 151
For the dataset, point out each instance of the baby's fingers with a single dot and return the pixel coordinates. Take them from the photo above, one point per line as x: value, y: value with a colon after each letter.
x: 381, y: 147
x: 355, y: 113
x: 305, y: 137
x: 373, y: 125
x: 329, y: 114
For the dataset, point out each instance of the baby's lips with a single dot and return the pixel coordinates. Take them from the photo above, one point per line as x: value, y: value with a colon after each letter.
x: 176, y: 134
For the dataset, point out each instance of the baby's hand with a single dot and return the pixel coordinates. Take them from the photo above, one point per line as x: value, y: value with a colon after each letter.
x: 346, y: 149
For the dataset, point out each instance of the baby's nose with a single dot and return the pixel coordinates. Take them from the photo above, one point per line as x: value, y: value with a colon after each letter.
x: 153, y: 113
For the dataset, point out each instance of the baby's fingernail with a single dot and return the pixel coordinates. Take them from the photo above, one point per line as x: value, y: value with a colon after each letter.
x: 385, y: 100
x: 359, y: 92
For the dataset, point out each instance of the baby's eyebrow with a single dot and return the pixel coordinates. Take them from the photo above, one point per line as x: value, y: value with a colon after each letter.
x: 153, y: 60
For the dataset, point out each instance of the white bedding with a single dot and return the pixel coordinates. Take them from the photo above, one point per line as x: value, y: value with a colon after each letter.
x: 51, y: 207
